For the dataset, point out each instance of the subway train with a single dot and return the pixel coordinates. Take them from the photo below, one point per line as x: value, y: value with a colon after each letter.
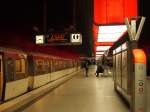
x: 21, y: 72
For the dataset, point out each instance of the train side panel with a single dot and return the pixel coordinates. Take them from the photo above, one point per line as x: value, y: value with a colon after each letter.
x: 15, y: 88
x: 40, y: 80
x: 61, y: 73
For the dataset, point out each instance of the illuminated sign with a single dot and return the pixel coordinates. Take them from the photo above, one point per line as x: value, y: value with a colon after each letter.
x: 118, y: 49
x: 55, y: 39
x: 76, y: 38
x: 39, y: 39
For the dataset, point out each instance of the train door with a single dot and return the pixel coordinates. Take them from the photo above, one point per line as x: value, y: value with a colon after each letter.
x: 1, y: 77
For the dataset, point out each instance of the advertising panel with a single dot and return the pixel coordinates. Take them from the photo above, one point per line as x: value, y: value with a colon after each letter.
x: 124, y: 70
x: 118, y: 69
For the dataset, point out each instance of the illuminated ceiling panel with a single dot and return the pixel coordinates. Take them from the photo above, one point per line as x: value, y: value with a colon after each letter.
x: 110, y: 33
x: 111, y: 12
x: 112, y: 29
x: 102, y: 48
x: 114, y: 11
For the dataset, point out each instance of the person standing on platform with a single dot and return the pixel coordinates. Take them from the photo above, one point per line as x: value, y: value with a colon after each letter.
x: 99, y: 70
x: 86, y: 68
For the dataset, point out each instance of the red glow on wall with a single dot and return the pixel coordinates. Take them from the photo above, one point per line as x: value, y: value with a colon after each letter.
x: 95, y: 28
x: 114, y: 11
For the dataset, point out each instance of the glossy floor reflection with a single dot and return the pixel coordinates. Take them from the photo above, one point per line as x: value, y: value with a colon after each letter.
x: 81, y: 94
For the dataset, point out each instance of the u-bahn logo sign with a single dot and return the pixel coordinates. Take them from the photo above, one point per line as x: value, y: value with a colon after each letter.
x: 76, y: 38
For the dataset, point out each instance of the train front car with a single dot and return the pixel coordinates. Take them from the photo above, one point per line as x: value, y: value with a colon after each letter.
x: 13, y: 73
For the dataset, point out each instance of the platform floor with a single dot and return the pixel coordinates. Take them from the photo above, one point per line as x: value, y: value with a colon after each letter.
x: 80, y: 94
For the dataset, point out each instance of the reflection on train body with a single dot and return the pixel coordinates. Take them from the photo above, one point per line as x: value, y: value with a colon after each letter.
x: 21, y: 72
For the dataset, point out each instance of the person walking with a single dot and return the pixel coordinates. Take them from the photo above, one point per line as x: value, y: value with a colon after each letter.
x: 86, y: 69
x: 99, y: 70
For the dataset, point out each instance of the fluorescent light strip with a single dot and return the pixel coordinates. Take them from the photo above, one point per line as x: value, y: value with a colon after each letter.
x: 99, y: 53
x: 109, y: 37
x: 102, y: 48
x: 112, y: 29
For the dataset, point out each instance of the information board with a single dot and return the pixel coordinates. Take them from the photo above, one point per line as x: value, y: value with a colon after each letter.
x: 59, y: 39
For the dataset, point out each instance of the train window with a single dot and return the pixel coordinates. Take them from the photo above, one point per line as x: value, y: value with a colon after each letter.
x: 70, y: 64
x: 56, y: 65
x: 60, y: 65
x: 40, y: 66
x: 47, y: 64
x: 9, y: 69
x: 20, y: 66
x: 53, y: 66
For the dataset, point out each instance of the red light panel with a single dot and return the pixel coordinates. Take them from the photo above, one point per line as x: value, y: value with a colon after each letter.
x: 114, y: 11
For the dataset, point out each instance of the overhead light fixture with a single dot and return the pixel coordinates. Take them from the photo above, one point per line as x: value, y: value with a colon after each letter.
x: 102, y: 48
x: 112, y: 29
x: 111, y: 33
x: 39, y: 39
x: 109, y: 37
x: 99, y: 53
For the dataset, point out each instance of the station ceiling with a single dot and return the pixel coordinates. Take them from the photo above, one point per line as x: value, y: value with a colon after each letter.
x: 19, y: 19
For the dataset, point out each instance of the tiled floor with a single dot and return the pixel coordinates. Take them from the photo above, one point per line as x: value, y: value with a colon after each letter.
x: 81, y: 94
